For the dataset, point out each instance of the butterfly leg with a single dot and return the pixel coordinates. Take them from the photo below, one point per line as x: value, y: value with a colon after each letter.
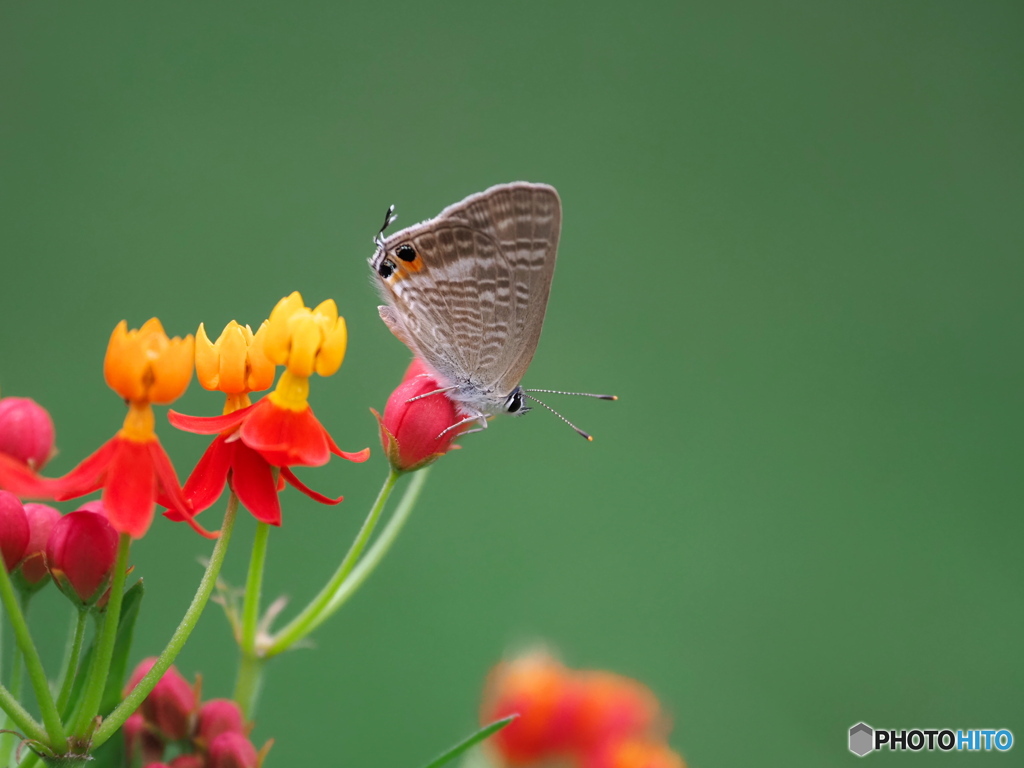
x: 478, y: 417
x: 428, y: 394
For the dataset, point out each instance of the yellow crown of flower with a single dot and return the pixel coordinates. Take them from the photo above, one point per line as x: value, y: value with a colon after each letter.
x: 144, y: 366
x: 306, y: 340
x: 236, y: 363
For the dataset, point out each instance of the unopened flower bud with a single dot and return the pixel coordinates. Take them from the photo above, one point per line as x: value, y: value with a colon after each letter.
x: 218, y: 716
x: 232, y: 750
x: 169, y: 707
x: 80, y: 555
x: 417, y: 433
x: 140, y: 742
x: 41, y: 519
x: 14, y: 530
x: 26, y: 431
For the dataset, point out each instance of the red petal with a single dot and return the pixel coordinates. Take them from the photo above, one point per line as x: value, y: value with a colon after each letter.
x: 359, y: 456
x: 23, y: 482
x: 207, y: 425
x: 90, y: 473
x: 285, y: 437
x: 206, y: 483
x: 130, y: 491
x: 168, y: 480
x: 253, y: 482
x: 288, y: 475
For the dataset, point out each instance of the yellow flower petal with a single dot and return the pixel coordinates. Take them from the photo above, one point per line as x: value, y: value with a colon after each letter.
x: 305, y: 338
x: 207, y: 360
x: 261, y: 369
x: 332, y: 350
x: 172, y: 370
x: 278, y: 337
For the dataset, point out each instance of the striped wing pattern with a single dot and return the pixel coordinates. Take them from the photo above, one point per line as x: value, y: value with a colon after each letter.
x: 472, y: 304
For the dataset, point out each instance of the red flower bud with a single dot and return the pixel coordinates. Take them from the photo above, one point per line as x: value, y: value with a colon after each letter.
x: 218, y: 716
x: 41, y: 519
x: 80, y: 555
x: 140, y: 742
x: 188, y: 761
x: 232, y: 750
x: 411, y: 432
x: 14, y: 530
x: 26, y: 431
x: 170, y: 705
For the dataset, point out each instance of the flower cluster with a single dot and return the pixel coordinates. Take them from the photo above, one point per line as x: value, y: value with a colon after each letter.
x: 280, y: 431
x: 594, y: 719
x: 210, y: 734
x: 78, y: 549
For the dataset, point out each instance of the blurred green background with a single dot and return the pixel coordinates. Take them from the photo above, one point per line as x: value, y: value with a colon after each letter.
x: 792, y: 244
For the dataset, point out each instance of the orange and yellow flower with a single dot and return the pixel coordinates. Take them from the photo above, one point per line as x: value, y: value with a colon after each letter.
x: 278, y: 431
x: 595, y: 719
x: 144, y: 366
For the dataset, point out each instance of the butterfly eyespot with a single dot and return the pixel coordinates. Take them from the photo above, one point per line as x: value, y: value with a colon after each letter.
x: 386, y: 268
x: 406, y: 252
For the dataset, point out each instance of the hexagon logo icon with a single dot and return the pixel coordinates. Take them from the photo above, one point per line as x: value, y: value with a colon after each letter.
x: 862, y: 739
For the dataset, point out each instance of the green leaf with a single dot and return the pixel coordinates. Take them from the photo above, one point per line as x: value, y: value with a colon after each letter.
x: 130, y: 605
x: 471, y: 741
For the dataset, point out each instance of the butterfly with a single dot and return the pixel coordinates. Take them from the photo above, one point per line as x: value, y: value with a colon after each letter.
x: 467, y: 292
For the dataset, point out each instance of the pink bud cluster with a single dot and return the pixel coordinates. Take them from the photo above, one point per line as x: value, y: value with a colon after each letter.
x: 78, y: 549
x: 210, y: 734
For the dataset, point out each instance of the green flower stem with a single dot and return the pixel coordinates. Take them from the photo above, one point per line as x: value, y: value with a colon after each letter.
x: 303, y: 624
x: 20, y: 717
x: 131, y: 702
x: 248, y: 682
x: 253, y: 587
x: 379, y: 549
x: 71, y: 668
x: 100, y: 667
x: 250, y: 666
x: 36, y: 673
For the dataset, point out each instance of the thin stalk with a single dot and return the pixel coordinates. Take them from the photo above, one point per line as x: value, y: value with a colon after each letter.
x: 71, y: 667
x: 20, y: 717
x: 131, y: 702
x: 379, y: 549
x: 253, y: 587
x: 100, y: 667
x: 303, y: 624
x: 248, y: 683
x: 36, y: 673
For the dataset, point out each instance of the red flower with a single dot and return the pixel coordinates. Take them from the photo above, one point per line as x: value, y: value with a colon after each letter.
x: 134, y: 472
x: 80, y: 555
x: 251, y: 441
x: 417, y: 432
x: 144, y: 366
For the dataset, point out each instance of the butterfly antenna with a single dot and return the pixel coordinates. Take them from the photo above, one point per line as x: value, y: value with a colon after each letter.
x: 578, y: 430
x: 389, y: 218
x: 577, y: 394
